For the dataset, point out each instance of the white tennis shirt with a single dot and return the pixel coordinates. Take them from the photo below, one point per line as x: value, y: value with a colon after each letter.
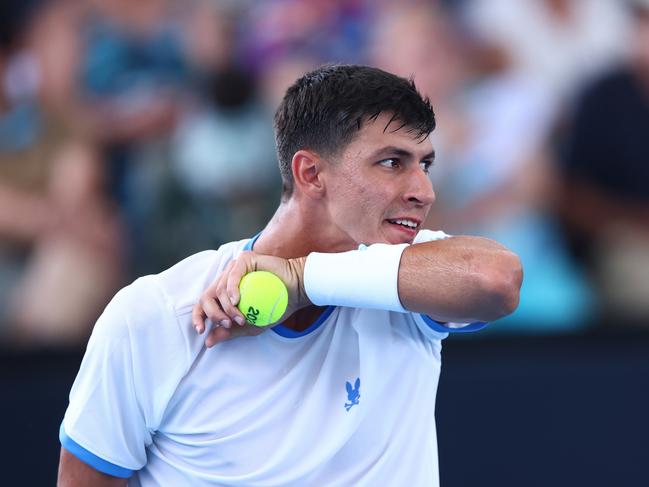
x: 348, y: 402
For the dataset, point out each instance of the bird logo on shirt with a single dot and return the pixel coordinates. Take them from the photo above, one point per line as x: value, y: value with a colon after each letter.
x: 353, y: 393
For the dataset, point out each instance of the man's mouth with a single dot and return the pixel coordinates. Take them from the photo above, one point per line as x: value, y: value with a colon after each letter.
x: 405, y: 222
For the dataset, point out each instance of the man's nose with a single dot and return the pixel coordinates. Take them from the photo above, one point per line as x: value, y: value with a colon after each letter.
x: 420, y: 190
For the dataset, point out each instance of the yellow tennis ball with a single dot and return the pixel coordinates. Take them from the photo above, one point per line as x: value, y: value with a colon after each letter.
x: 264, y: 298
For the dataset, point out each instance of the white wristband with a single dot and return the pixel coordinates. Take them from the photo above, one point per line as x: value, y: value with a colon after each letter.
x: 363, y: 278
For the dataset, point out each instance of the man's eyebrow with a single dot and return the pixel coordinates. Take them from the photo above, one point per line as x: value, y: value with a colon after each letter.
x: 397, y: 151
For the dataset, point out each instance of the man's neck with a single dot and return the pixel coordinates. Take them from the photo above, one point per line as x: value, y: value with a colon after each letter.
x: 296, y: 231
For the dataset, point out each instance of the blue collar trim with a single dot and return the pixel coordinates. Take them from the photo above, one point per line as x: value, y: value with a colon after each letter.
x: 286, y: 332
x: 250, y: 243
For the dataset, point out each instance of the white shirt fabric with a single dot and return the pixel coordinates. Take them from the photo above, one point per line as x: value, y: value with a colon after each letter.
x: 349, y: 401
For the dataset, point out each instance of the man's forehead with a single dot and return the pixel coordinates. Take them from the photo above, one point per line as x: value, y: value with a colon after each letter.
x: 385, y: 132
x: 389, y: 123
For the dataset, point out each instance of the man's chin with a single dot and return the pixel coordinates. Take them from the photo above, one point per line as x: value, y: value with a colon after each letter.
x: 389, y: 237
x: 395, y: 240
x: 402, y: 241
x: 395, y: 235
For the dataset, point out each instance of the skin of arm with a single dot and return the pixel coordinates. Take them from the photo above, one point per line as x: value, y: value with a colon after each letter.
x: 75, y: 473
x: 459, y: 279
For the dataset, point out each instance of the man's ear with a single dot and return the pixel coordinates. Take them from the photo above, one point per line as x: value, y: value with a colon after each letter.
x: 307, y: 169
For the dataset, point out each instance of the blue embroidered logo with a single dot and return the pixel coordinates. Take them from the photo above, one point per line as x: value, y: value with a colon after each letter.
x: 353, y: 393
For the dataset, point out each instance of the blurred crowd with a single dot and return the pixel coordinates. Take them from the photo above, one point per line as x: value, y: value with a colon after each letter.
x: 134, y: 133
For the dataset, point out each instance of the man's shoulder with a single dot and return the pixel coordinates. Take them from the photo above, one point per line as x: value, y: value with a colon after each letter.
x: 183, y: 283
x: 170, y: 294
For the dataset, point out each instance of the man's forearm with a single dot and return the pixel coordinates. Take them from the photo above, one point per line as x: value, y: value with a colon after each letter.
x: 460, y: 279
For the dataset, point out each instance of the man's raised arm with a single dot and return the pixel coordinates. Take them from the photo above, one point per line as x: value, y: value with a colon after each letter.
x: 457, y: 279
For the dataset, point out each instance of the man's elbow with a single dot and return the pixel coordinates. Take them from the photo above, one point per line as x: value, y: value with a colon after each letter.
x: 504, y: 282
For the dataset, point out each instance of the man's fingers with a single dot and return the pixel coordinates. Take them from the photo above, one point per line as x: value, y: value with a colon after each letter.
x: 198, y: 318
x: 242, y: 266
x: 220, y: 293
x: 214, y: 311
x: 230, y: 296
x: 216, y: 335
x: 229, y: 309
x: 249, y: 330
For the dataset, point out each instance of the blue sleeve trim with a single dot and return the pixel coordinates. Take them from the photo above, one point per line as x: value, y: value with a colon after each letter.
x: 90, y: 458
x: 441, y: 328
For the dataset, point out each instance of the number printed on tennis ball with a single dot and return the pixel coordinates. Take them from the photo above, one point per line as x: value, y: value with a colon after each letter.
x: 264, y: 298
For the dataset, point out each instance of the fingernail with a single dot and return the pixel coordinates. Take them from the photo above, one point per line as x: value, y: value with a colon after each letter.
x: 239, y: 320
x: 225, y: 323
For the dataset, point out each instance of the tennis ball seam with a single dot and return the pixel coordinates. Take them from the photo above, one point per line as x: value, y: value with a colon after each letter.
x: 280, y: 298
x: 272, y: 311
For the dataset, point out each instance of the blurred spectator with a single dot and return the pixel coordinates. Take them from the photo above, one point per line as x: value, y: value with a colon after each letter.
x: 556, y: 43
x: 76, y: 263
x: 46, y: 204
x: 492, y: 174
x: 112, y: 66
x: 606, y: 195
x: 132, y: 73
x: 223, y: 176
x: 325, y: 30
x: 126, y: 73
x: 25, y: 139
x: 224, y: 161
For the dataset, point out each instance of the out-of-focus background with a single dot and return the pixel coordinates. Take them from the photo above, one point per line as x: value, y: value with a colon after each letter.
x: 135, y: 133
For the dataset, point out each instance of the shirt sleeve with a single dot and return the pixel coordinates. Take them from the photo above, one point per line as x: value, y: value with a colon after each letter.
x: 133, y: 362
x: 427, y: 324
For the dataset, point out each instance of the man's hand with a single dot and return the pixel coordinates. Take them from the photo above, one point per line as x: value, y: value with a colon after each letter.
x: 219, y: 301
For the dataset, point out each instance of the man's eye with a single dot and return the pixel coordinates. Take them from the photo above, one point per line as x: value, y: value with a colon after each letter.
x: 389, y: 163
x: 425, y: 166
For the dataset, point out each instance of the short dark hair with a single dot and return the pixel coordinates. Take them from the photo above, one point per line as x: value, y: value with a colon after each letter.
x: 324, y: 109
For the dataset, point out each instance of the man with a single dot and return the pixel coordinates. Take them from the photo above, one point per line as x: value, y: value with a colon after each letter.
x: 343, y: 391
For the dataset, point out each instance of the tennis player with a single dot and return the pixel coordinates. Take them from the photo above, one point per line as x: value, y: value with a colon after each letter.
x: 342, y: 391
